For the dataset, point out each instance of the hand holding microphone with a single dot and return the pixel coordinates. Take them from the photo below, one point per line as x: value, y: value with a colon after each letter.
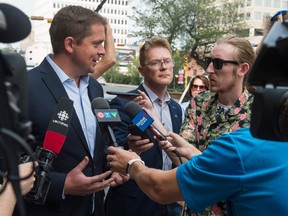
x: 54, y: 139
x: 106, y: 117
x: 143, y: 121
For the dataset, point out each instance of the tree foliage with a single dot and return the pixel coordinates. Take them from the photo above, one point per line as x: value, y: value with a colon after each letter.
x: 194, y: 24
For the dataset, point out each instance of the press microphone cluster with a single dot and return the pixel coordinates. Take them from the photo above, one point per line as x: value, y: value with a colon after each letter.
x: 53, y: 142
x: 106, y: 118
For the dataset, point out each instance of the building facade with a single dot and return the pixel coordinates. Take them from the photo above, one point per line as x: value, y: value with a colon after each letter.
x: 253, y: 12
x: 116, y: 11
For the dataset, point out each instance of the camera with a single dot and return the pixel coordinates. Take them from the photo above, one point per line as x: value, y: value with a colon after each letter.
x: 15, y: 118
x: 45, y: 158
x: 269, y: 74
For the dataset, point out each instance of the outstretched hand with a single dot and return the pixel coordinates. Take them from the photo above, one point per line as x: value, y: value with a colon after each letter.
x: 174, y: 141
x: 145, y: 103
x: 78, y: 184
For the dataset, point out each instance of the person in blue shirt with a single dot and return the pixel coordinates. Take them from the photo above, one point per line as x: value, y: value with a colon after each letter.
x: 250, y: 173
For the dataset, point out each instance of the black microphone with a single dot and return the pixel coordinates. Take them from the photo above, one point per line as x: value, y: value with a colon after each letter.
x: 142, y: 119
x: 53, y: 142
x: 106, y: 118
x: 14, y: 24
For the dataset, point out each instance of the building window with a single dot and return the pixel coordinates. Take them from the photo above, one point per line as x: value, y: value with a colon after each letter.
x: 248, y: 16
x: 267, y: 3
x: 277, y: 3
x: 258, y: 3
x: 258, y: 32
x: 257, y: 16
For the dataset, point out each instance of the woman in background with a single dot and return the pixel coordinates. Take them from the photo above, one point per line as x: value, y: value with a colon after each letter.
x: 197, y: 84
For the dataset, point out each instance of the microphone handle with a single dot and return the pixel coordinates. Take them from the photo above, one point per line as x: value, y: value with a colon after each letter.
x: 111, y: 136
x: 161, y: 137
x: 157, y: 133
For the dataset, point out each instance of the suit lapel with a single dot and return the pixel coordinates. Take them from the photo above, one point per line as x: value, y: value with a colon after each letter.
x: 175, y: 118
x: 57, y: 90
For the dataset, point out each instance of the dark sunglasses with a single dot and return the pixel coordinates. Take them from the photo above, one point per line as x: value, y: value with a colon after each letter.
x: 201, y: 87
x: 218, y: 63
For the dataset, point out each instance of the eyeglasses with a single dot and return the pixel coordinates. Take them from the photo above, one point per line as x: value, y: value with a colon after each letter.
x: 218, y: 63
x: 157, y: 64
x: 201, y: 87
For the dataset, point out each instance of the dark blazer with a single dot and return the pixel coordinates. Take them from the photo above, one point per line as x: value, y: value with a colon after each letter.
x: 127, y: 199
x: 45, y: 89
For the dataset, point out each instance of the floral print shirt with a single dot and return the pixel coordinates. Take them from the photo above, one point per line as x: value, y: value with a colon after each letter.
x: 204, y: 123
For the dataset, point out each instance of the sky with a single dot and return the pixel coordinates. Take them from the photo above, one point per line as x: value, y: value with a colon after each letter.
x: 27, y: 6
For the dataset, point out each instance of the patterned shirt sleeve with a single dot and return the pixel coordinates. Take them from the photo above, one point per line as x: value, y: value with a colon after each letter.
x: 188, y: 128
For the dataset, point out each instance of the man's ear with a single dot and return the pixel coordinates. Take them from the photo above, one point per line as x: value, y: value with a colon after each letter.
x: 69, y: 44
x: 244, y: 68
x: 141, y: 71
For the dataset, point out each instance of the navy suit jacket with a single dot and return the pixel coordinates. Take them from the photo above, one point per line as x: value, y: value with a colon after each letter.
x: 45, y: 89
x: 128, y: 199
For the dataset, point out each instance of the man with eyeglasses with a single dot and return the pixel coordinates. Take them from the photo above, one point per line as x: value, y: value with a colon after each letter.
x: 156, y: 67
x: 227, y: 106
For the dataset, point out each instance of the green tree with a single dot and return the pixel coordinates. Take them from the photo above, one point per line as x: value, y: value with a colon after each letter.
x: 195, y: 24
x: 136, y: 77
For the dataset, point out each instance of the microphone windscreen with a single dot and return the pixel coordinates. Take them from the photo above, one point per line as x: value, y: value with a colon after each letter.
x: 14, y: 24
x: 132, y: 109
x: 54, y: 141
x: 100, y: 103
x: 58, y: 126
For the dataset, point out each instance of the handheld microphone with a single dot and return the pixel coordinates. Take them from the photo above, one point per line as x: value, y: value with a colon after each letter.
x: 142, y: 119
x: 106, y: 118
x: 54, y: 139
x: 14, y: 24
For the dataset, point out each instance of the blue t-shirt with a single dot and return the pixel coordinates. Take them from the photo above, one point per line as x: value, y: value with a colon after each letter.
x: 251, y: 174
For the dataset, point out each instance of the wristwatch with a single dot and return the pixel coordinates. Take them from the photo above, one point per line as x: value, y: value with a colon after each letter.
x: 130, y: 164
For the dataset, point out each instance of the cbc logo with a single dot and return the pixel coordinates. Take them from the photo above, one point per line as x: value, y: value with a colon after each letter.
x: 63, y: 115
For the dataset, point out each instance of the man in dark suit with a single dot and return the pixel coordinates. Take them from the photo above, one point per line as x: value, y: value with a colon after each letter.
x: 78, y: 177
x: 156, y: 66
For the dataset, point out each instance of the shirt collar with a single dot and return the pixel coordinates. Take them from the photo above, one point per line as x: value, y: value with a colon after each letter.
x: 61, y: 74
x: 153, y: 97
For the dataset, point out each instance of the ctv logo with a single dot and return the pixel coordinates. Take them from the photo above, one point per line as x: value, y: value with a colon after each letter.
x: 106, y: 115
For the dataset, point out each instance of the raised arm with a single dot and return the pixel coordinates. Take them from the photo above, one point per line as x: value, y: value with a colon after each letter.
x: 109, y: 59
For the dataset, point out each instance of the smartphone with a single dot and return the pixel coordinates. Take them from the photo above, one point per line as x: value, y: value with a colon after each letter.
x: 126, y: 95
x: 136, y: 131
